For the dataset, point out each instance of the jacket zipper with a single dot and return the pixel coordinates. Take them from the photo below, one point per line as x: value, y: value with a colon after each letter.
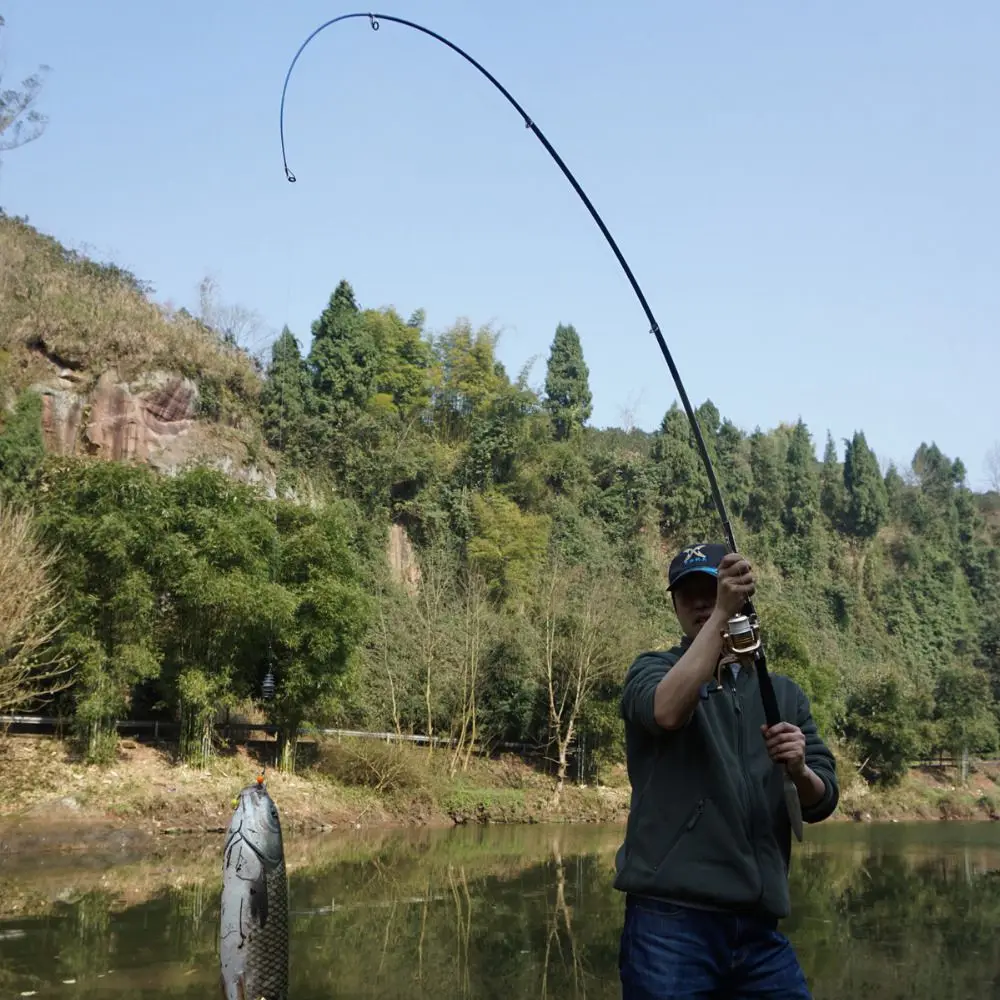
x: 688, y: 826
x: 738, y: 705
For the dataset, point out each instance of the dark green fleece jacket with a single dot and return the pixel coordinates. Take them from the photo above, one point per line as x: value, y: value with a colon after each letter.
x: 708, y: 824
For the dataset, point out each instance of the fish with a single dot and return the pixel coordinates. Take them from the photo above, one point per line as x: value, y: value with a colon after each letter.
x: 253, y: 928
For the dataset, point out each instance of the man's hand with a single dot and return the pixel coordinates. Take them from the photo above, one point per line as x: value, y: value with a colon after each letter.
x: 736, y: 584
x: 786, y: 744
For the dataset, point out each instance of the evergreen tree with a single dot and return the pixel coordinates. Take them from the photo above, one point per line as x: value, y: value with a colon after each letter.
x: 685, y: 495
x: 767, y: 465
x: 867, y: 502
x: 831, y: 492
x: 567, y: 389
x: 733, y: 467
x: 802, y: 498
x: 285, y: 398
x: 343, y: 357
x: 800, y: 517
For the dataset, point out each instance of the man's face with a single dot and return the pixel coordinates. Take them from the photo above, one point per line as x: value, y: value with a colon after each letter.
x: 694, y: 601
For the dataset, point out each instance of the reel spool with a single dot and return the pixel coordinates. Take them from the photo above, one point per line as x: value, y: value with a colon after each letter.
x: 742, y: 639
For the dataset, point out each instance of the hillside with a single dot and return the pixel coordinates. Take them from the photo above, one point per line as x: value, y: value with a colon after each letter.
x: 474, y: 560
x: 119, y: 377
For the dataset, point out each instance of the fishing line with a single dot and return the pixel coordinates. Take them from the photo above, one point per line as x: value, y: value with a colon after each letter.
x: 766, y: 687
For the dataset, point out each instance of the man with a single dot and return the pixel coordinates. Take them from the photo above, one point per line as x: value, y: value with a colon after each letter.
x: 704, y: 864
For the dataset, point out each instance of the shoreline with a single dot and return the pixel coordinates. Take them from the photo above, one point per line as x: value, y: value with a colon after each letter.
x: 56, y: 803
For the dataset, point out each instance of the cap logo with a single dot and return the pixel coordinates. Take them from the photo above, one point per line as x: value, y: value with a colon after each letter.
x: 694, y: 554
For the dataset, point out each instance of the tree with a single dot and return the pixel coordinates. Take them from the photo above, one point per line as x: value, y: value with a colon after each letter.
x: 235, y: 325
x: 567, y: 389
x: 286, y: 399
x: 685, y: 495
x: 584, y: 619
x: 964, y: 716
x: 993, y: 467
x: 832, y: 498
x: 32, y: 667
x: 313, y: 644
x: 343, y: 357
x: 20, y: 121
x: 22, y: 447
x: 802, y: 504
x: 106, y: 521
x: 867, y: 501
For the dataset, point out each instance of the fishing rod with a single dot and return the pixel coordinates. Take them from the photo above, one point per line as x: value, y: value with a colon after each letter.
x: 743, y: 636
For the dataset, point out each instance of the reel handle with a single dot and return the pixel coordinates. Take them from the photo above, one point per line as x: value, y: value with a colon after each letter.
x: 741, y: 638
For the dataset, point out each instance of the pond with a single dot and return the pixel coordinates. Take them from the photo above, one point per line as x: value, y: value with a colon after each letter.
x: 889, y: 911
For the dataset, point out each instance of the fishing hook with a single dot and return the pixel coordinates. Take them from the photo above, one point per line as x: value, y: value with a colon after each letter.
x: 766, y: 688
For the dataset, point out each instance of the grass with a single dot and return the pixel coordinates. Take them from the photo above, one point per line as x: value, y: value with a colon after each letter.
x: 59, y: 307
x: 351, y: 784
x: 365, y: 784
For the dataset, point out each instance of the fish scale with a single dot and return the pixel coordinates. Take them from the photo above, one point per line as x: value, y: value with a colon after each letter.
x: 253, y: 933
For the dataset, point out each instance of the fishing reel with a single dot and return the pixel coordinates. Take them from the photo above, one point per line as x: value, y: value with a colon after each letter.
x: 740, y: 641
x: 742, y: 638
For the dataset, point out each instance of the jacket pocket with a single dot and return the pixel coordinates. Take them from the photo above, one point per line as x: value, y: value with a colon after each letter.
x: 690, y: 823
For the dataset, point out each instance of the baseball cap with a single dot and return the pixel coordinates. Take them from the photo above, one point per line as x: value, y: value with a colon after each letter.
x: 702, y: 557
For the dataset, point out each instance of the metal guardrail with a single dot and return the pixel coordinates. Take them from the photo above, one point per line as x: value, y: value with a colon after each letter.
x: 54, y: 724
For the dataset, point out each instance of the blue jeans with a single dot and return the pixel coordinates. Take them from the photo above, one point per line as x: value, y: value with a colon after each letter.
x: 670, y: 951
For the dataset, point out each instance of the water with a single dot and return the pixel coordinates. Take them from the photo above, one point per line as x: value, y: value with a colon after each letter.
x: 505, y: 912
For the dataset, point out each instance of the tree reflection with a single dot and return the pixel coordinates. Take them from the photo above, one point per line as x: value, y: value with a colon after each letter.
x: 506, y: 914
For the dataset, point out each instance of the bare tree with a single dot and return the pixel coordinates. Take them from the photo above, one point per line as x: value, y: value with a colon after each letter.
x: 993, y: 467
x: 235, y: 324
x: 474, y: 635
x: 30, y: 669
x: 585, y: 621
x: 431, y: 634
x: 20, y: 121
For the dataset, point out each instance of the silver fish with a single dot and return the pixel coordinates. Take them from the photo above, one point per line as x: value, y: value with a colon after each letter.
x: 253, y: 932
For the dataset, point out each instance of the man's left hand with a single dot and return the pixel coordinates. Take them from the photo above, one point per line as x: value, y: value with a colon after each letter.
x: 786, y: 744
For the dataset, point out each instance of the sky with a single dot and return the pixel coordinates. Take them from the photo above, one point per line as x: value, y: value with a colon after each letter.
x: 806, y: 193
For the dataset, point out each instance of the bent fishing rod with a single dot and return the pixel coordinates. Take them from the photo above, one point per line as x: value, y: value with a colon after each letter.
x: 743, y: 637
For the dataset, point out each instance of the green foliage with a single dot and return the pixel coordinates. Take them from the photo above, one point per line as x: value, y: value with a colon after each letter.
x: 866, y: 500
x: 21, y: 445
x: 507, y: 545
x: 567, y: 388
x: 880, y: 596
x: 882, y: 717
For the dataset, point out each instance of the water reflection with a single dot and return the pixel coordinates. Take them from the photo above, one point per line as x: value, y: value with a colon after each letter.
x: 890, y: 912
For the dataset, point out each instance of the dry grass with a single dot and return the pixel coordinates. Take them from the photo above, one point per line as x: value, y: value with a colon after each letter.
x: 29, y: 615
x: 927, y: 794
x: 145, y: 790
x: 57, y: 306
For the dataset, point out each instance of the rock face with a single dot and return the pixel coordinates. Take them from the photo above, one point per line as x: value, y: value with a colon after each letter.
x: 137, y: 422
x: 129, y: 423
x: 402, y: 559
x: 151, y: 421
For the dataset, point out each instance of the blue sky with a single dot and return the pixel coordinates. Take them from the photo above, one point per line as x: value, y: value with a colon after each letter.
x: 806, y: 193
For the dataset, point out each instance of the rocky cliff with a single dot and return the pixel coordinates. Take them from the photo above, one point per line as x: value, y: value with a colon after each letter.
x: 152, y: 420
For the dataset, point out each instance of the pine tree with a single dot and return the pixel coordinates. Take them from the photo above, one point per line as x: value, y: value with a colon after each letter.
x: 285, y: 398
x: 733, y: 467
x: 831, y: 491
x: 567, y: 388
x: 867, y: 501
x: 343, y: 357
x: 802, y: 498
